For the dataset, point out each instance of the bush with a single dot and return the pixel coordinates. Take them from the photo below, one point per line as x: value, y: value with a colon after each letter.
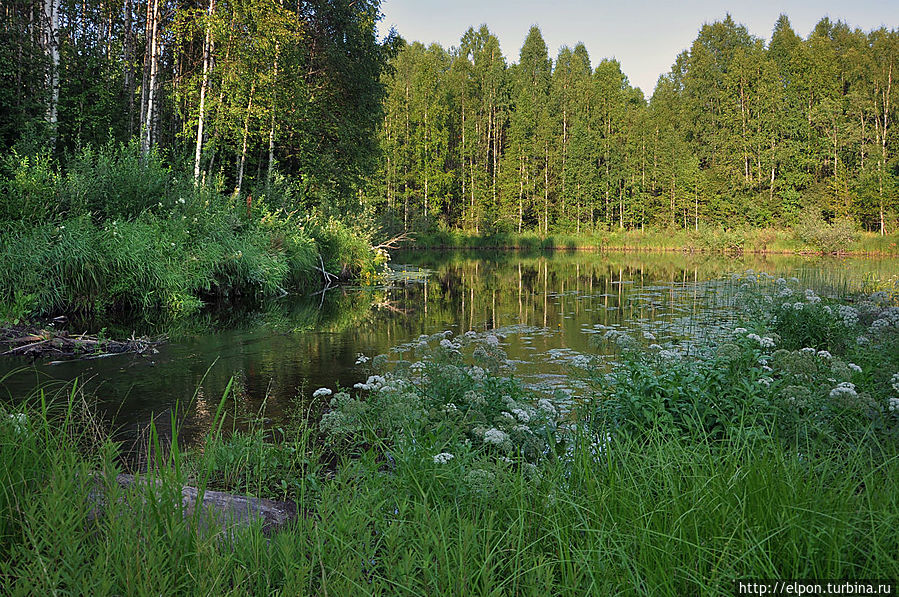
x: 835, y: 237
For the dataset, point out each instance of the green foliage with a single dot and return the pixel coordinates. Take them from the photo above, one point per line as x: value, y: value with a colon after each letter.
x: 30, y: 188
x: 119, y: 232
x: 802, y: 385
x: 117, y: 181
x: 736, y: 135
x: 812, y: 325
x: 834, y: 237
x: 418, y: 500
x: 457, y: 407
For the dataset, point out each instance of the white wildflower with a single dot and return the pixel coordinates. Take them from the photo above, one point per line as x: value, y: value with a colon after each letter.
x: 784, y: 292
x: 477, y: 373
x: 849, y: 315
x: 521, y: 414
x: 495, y: 436
x: 844, y: 390
x: 547, y: 407
x: 740, y: 331
x: 824, y: 355
x: 766, y: 342
x: 808, y: 350
x: 581, y: 361
x: 895, y: 381
x: 854, y: 367
x: 491, y: 340
x: 19, y: 422
x: 893, y: 405
x: 361, y: 359
x: 443, y: 458
x: 321, y: 392
x: 649, y: 335
x: 765, y: 381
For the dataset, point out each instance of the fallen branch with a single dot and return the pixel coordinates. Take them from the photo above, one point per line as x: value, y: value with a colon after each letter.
x: 58, y: 343
x: 393, y: 243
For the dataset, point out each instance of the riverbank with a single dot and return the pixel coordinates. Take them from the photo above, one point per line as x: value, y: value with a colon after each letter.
x: 116, y: 234
x: 768, y: 450
x: 759, y: 241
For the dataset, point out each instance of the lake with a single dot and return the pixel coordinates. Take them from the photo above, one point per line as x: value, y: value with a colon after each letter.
x: 550, y: 309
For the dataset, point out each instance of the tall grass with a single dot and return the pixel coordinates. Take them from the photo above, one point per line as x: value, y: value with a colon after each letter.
x: 119, y: 232
x: 655, y: 515
x: 705, y: 239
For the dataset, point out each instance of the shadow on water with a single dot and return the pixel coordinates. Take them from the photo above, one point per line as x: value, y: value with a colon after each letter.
x: 551, y: 306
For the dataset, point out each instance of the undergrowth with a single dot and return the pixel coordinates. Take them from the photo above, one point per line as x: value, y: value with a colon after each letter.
x: 118, y: 233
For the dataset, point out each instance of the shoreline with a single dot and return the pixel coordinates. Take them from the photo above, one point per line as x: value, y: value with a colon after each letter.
x: 868, y: 246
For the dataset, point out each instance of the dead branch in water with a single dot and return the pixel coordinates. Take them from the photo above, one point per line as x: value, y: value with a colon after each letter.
x: 18, y: 341
x: 393, y: 243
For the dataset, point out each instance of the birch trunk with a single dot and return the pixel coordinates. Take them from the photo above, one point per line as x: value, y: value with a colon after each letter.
x: 147, y: 136
x: 246, y: 135
x: 51, y: 47
x: 204, y: 86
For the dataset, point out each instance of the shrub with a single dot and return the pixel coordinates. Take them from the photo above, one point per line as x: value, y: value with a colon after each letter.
x: 834, y: 237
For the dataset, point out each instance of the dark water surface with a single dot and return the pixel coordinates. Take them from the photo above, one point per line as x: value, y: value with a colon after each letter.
x: 550, y: 308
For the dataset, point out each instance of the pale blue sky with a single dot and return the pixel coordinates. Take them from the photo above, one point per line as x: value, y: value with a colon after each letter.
x: 644, y: 35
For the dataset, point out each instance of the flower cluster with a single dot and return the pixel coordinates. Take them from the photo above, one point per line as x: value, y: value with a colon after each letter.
x: 443, y: 458
x: 844, y: 390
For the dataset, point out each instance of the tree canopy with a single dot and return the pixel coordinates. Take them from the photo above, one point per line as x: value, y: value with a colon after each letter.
x: 739, y: 132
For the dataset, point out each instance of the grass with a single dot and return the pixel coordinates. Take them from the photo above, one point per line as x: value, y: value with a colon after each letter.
x: 655, y: 516
x: 119, y: 234
x: 764, y: 240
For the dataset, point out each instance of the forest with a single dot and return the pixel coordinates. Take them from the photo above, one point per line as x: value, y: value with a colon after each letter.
x: 161, y: 153
x: 741, y: 132
x: 242, y: 89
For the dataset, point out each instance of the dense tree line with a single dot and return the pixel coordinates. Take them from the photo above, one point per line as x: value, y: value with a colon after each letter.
x: 239, y: 89
x: 739, y: 132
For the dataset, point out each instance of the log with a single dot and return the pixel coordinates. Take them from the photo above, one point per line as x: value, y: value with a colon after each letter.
x: 226, y: 511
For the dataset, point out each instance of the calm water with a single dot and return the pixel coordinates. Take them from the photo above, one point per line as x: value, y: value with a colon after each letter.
x: 551, y: 308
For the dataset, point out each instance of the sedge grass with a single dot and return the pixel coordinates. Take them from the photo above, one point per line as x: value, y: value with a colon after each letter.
x: 660, y: 516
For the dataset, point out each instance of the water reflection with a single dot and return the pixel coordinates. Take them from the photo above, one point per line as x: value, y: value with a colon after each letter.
x: 550, y: 307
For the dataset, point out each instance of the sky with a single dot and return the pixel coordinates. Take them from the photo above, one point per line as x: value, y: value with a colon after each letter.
x: 645, y: 36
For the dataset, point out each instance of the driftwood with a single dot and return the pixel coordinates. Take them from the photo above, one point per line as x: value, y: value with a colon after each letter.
x: 21, y: 341
x: 396, y: 241
x: 226, y: 511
